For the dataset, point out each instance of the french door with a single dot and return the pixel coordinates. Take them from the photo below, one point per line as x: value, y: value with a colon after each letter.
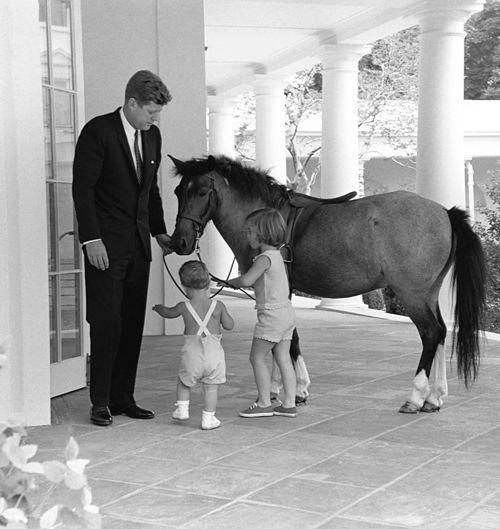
x: 59, y: 86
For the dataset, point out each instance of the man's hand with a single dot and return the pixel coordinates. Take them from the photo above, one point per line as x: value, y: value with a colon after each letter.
x: 97, y: 255
x: 164, y: 241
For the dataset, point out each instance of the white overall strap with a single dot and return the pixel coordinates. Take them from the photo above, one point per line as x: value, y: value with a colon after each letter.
x: 203, y: 327
x: 203, y: 324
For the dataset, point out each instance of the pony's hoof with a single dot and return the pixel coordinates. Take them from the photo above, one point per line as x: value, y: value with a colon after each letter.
x: 429, y: 407
x: 409, y: 407
x: 300, y: 401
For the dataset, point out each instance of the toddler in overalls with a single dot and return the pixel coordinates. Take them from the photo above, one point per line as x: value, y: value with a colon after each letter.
x: 202, y: 357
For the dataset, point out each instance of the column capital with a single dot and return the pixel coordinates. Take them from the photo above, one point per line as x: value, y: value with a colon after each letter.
x: 446, y: 17
x: 342, y: 57
x: 220, y: 104
x: 271, y: 84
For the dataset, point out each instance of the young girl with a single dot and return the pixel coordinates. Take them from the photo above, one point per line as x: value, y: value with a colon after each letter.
x: 275, y: 316
x: 202, y: 354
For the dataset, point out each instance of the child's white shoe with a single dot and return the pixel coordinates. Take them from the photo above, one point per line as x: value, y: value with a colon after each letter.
x: 181, y: 412
x: 209, y: 421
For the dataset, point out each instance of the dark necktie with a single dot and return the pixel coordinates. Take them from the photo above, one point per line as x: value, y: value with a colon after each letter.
x: 138, y: 159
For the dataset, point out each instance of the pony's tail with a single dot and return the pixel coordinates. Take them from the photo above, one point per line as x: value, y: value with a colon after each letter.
x: 469, y: 276
x: 294, y: 346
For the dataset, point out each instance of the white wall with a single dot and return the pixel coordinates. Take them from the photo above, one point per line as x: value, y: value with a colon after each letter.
x: 120, y: 38
x: 24, y: 312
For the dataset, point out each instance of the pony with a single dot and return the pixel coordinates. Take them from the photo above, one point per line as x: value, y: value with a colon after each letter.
x: 397, y: 239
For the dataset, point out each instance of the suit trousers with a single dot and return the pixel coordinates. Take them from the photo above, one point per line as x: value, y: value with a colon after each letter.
x: 116, y: 305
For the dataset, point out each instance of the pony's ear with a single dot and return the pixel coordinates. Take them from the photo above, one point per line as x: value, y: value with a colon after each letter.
x: 179, y: 164
x: 210, y: 163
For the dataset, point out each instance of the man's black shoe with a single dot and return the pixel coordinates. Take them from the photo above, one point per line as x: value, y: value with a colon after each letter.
x: 131, y: 410
x: 100, y: 415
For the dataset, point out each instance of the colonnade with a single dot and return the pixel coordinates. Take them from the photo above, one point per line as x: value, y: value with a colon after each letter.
x: 440, y: 152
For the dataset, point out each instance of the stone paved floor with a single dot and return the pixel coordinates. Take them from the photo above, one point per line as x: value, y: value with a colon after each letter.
x: 348, y: 461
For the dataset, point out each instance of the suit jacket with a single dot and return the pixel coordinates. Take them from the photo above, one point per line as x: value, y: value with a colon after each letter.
x: 109, y: 202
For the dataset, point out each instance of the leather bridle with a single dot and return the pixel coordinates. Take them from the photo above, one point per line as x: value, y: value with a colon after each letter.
x: 200, y: 221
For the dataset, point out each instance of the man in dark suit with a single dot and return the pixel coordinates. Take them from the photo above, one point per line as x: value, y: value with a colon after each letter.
x: 118, y: 206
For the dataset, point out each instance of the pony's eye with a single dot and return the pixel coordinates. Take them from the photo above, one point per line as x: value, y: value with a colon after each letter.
x: 202, y: 193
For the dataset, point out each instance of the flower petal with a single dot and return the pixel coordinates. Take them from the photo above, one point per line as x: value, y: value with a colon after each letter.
x: 48, y: 518
x: 54, y: 471
x: 72, y: 449
x: 77, y: 465
x: 33, y: 468
x: 14, y: 515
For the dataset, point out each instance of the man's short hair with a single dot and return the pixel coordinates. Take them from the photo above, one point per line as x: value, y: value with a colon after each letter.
x: 194, y: 274
x: 146, y: 87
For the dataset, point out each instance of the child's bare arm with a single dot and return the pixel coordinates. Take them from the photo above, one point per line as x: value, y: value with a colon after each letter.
x: 169, y: 312
x: 226, y: 320
x: 260, y: 265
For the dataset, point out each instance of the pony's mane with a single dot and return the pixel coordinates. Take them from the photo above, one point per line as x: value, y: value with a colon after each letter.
x: 247, y: 181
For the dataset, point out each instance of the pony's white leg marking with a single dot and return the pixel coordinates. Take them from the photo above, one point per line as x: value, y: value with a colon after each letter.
x: 302, y: 375
x: 438, y: 381
x: 276, y: 384
x: 420, y: 389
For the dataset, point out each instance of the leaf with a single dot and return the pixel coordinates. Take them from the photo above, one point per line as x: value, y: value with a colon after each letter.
x: 72, y: 449
x: 54, y: 471
x: 48, y: 518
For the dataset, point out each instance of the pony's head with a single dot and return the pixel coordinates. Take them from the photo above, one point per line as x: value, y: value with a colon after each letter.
x: 197, y: 199
x: 201, y: 181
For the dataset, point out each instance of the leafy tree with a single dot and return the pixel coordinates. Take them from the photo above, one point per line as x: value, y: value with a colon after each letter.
x: 489, y: 232
x: 482, y: 53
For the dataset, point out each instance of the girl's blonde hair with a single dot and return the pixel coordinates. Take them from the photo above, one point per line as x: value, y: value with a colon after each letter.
x: 269, y: 225
x: 194, y: 274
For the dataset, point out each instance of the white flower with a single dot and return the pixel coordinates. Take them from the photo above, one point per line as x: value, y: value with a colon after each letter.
x: 75, y: 479
x: 18, y: 454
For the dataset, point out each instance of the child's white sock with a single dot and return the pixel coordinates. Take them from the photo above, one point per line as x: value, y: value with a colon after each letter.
x: 209, y: 421
x: 181, y: 411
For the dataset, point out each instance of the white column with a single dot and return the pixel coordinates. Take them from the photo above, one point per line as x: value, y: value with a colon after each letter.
x: 469, y: 173
x: 440, y: 152
x: 24, y: 296
x: 270, y: 149
x: 183, y: 123
x: 440, y: 139
x: 339, y: 151
x: 220, y: 141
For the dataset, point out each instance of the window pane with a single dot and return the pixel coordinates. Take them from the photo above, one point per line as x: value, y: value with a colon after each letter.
x: 53, y: 319
x: 69, y: 249
x: 47, y: 121
x: 65, y: 134
x: 70, y: 315
x: 60, y: 31
x: 42, y: 18
x: 51, y: 226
